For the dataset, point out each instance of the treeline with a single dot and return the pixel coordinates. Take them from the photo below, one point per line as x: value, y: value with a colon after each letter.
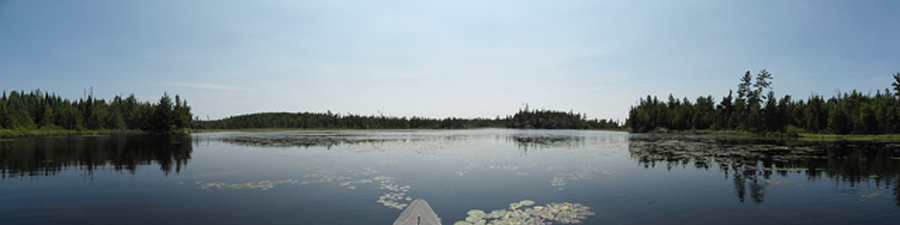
x: 756, y: 109
x: 328, y: 120
x: 549, y: 119
x: 37, y: 110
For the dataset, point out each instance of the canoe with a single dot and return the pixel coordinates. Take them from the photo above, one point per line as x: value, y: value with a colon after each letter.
x: 418, y: 213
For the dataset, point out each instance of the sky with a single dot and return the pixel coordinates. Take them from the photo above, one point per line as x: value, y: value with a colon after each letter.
x: 442, y: 58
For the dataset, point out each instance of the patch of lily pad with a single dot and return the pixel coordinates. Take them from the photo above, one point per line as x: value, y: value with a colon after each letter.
x: 536, y: 141
x: 522, y: 213
x: 396, y: 197
x: 263, y: 185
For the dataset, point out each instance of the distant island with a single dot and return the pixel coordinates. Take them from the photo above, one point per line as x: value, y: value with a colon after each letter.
x: 524, y: 119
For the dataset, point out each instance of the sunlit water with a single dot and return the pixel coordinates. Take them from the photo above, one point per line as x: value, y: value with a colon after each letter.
x: 367, y: 177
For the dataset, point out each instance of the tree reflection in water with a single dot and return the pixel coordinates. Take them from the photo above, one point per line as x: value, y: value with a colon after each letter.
x: 49, y: 156
x: 540, y: 141
x: 751, y: 163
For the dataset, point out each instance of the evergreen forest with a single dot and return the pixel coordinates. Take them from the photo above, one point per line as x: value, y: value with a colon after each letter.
x: 537, y: 119
x: 549, y: 119
x: 329, y: 120
x: 37, y: 110
x: 757, y: 109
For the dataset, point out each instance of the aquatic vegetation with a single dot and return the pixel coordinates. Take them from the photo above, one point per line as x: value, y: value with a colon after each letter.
x: 552, y: 168
x: 558, y: 182
x: 476, y: 213
x: 776, y: 182
x: 587, y: 168
x: 526, y: 202
x: 873, y: 195
x: 368, y: 170
x: 495, y: 167
x: 539, y: 141
x: 520, y: 213
x: 384, y: 179
x: 263, y: 185
x: 324, y: 178
x: 388, y: 162
x: 326, y: 140
x: 392, y: 200
x: 350, y: 184
x: 396, y: 194
x: 394, y: 197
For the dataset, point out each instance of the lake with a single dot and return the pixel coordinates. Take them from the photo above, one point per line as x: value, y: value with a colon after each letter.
x: 488, y: 176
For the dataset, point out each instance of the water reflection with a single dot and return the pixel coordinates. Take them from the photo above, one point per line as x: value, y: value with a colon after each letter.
x: 754, y: 164
x: 328, y: 140
x: 542, y: 141
x: 49, y: 156
x: 450, y: 147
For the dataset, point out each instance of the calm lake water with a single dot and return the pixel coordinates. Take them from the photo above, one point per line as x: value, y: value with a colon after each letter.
x: 367, y: 177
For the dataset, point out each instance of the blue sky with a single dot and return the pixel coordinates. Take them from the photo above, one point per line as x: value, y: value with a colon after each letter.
x: 442, y: 58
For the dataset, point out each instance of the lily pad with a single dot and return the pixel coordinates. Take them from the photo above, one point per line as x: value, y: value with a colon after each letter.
x: 563, y: 213
x: 526, y: 202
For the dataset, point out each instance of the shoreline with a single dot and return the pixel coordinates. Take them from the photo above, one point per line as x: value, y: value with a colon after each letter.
x: 13, y: 133
x: 327, y: 129
x: 796, y: 136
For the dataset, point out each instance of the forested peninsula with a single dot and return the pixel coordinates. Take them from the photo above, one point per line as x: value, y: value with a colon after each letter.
x: 42, y: 114
x: 756, y: 109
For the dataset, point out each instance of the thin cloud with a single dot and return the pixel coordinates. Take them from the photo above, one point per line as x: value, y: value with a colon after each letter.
x: 220, y: 87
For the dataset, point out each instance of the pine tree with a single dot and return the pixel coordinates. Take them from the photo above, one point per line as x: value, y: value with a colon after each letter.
x: 163, y: 116
x: 896, y: 84
x: 47, y: 116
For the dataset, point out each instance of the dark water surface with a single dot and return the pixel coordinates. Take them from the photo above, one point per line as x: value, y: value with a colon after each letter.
x: 366, y: 177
